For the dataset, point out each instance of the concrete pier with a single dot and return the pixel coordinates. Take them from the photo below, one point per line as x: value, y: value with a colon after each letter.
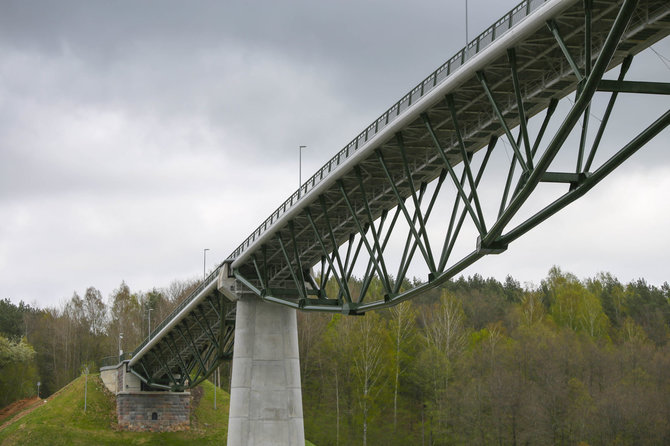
x: 265, y: 396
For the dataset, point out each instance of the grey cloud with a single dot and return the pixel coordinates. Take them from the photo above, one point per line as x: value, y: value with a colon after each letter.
x: 133, y: 134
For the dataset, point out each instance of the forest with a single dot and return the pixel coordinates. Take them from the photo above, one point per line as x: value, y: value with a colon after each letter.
x: 477, y: 361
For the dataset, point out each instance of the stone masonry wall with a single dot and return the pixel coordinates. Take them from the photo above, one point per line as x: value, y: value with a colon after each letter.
x: 153, y: 411
x: 119, y: 377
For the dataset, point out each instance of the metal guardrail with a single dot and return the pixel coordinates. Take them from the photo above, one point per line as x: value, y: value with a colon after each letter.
x: 109, y: 361
x: 212, y: 276
x: 507, y: 22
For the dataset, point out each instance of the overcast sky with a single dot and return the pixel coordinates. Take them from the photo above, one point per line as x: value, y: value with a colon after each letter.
x: 135, y: 134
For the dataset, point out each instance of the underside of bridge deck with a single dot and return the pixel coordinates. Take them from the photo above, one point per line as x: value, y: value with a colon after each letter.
x: 192, y: 349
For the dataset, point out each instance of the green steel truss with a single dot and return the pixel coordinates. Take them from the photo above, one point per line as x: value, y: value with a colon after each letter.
x: 461, y: 176
x: 535, y: 102
x: 191, y: 349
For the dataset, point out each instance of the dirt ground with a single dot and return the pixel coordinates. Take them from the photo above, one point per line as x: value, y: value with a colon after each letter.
x: 20, y: 407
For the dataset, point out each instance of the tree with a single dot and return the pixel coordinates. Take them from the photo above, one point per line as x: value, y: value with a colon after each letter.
x: 18, y: 373
x: 368, y: 337
x: 446, y: 336
x: 126, y: 318
x: 11, y: 319
x: 402, y: 329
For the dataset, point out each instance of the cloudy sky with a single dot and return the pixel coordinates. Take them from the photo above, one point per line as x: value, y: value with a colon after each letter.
x: 135, y: 134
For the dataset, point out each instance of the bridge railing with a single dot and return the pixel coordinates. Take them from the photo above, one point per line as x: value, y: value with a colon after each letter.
x: 212, y: 276
x: 479, y: 43
x: 109, y: 361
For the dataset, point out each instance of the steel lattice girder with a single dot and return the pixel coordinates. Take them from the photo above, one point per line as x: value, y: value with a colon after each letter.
x: 192, y: 349
x: 349, y: 224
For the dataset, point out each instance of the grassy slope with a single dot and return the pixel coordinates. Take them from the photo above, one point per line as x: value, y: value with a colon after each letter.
x: 62, y: 421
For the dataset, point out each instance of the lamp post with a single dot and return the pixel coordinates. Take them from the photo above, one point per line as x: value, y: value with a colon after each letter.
x: 86, y: 388
x: 120, y: 351
x: 150, y: 310
x: 466, y: 25
x: 204, y: 262
x: 300, y: 168
x: 38, y: 389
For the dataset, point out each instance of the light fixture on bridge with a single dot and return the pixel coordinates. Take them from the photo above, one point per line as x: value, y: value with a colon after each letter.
x: 120, y: 351
x: 466, y: 26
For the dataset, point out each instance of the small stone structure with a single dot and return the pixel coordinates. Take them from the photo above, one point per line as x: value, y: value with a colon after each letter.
x: 138, y: 410
x: 153, y: 411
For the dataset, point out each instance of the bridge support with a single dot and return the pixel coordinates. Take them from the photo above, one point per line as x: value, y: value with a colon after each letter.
x: 141, y: 410
x: 265, y: 396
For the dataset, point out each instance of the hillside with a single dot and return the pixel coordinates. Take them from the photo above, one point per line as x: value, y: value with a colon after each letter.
x: 62, y: 421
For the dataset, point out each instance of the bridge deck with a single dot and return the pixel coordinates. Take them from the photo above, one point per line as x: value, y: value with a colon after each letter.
x: 544, y: 75
x: 377, y: 168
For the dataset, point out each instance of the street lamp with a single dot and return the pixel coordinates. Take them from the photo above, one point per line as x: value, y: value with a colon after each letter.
x: 300, y: 168
x: 466, y: 25
x: 86, y: 389
x: 120, y: 351
x: 38, y: 389
x: 204, y: 262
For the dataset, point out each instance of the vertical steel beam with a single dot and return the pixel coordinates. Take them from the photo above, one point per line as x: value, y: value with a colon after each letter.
x: 625, y: 65
x: 298, y: 285
x: 553, y: 27
x: 191, y: 345
x: 375, y: 233
x: 417, y: 205
x: 408, y: 251
x: 177, y: 355
x: 259, y: 274
x: 511, y: 56
x: 590, y: 86
x: 409, y: 255
x: 489, y: 94
x: 446, y: 252
x: 338, y: 278
x: 165, y: 367
x: 466, y: 161
x: 399, y: 199
x: 378, y: 263
x: 301, y: 275
x: 452, y: 174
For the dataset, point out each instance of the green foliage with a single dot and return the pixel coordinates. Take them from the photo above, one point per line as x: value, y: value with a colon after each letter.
x: 476, y: 362
x: 572, y: 362
x: 11, y: 319
x: 18, y: 373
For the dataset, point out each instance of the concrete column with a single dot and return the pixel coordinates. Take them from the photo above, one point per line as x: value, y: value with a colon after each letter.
x: 265, y: 395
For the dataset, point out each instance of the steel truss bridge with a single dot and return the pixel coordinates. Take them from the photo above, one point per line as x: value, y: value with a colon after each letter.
x: 417, y: 187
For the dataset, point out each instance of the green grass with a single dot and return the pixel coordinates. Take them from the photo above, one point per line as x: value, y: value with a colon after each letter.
x: 62, y: 421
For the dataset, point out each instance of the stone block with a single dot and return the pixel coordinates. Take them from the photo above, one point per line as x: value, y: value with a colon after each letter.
x: 153, y: 411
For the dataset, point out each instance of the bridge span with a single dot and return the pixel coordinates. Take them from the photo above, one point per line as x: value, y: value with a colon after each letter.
x: 419, y: 178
